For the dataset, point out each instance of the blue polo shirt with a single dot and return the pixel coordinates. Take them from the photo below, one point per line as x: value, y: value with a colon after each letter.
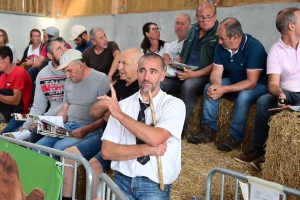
x: 194, y: 58
x: 81, y: 49
x: 251, y: 54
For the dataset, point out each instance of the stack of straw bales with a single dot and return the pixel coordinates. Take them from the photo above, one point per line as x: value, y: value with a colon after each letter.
x: 224, y: 118
x: 282, y: 150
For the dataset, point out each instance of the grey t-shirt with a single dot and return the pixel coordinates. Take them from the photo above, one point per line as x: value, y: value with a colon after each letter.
x: 81, y: 96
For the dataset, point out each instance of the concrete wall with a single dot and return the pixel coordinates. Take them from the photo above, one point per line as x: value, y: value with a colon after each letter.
x: 126, y: 29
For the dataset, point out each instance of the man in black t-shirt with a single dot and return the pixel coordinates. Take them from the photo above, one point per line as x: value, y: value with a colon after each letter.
x: 104, y: 55
x: 90, y: 148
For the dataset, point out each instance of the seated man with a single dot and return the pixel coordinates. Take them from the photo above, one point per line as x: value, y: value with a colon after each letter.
x: 198, y: 50
x: 133, y: 145
x: 103, y: 56
x: 283, y: 69
x: 15, y: 89
x: 81, y: 39
x: 125, y: 87
x: 81, y: 90
x: 244, y: 58
x: 182, y: 25
x: 49, y: 87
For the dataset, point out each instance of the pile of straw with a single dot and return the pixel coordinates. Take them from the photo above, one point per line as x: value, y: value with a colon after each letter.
x: 282, y: 150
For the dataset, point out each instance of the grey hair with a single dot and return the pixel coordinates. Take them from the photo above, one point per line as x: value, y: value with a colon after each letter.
x: 152, y: 56
x: 93, y: 32
x: 186, y: 15
x: 285, y: 17
x: 49, y: 43
x: 232, y: 26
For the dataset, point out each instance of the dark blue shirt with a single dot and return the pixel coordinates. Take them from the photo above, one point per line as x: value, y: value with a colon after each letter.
x: 81, y: 49
x: 251, y: 54
x: 194, y: 58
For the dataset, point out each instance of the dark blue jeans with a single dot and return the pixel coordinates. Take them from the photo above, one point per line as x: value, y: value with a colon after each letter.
x: 243, y: 101
x: 12, y: 126
x: 188, y: 90
x: 141, y: 188
x: 262, y: 116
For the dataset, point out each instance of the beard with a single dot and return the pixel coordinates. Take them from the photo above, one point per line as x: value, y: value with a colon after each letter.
x: 145, y: 90
x: 83, y: 42
x: 55, y: 61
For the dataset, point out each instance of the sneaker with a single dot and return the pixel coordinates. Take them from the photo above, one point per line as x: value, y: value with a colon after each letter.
x: 229, y: 144
x: 247, y: 157
x: 207, y: 135
x: 257, y: 162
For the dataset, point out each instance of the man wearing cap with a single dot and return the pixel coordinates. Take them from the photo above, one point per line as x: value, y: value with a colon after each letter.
x: 81, y: 39
x: 104, y: 55
x: 49, y: 88
x: 90, y: 148
x: 81, y: 90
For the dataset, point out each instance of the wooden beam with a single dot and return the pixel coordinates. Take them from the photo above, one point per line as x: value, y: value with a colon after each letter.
x: 53, y: 8
x: 64, y: 7
x: 118, y: 6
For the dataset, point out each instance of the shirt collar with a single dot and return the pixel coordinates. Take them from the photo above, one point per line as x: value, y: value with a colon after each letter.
x: 139, y: 96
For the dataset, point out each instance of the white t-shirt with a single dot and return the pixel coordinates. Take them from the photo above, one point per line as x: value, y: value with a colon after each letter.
x: 174, y: 49
x: 33, y: 52
x: 161, y: 51
x: 170, y: 115
x: 285, y: 60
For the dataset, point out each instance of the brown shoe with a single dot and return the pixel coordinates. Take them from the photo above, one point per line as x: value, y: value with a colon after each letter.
x: 257, y: 162
x: 247, y: 157
x: 208, y: 134
x: 229, y: 144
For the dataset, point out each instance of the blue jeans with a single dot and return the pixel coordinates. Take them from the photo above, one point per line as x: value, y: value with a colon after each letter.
x: 262, y: 116
x: 141, y: 188
x: 33, y: 72
x: 188, y: 90
x: 243, y: 101
x: 63, y: 143
x: 12, y: 126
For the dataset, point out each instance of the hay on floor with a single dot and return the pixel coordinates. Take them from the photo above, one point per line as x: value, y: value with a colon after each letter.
x: 282, y: 150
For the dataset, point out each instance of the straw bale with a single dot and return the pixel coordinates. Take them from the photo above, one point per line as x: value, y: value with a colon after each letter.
x: 2, y: 126
x: 224, y: 118
x: 282, y: 150
x: 81, y: 183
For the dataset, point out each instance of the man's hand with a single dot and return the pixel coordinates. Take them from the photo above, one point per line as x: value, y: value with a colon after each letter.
x: 186, y: 74
x: 215, y: 91
x: 159, y: 150
x: 281, y: 96
x: 79, y: 132
x: 106, y: 116
x: 111, y: 102
x: 33, y: 126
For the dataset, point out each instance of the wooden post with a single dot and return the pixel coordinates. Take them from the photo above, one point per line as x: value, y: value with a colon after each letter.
x: 64, y: 7
x: 118, y: 6
x: 53, y: 5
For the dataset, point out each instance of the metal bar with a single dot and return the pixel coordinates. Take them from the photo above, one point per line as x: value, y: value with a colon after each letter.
x: 222, y: 187
x: 76, y: 158
x: 236, y: 189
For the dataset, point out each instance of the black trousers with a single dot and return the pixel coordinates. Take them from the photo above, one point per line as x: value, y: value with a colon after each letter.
x: 5, y: 109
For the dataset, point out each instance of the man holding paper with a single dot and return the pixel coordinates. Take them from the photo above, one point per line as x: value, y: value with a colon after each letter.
x: 81, y: 90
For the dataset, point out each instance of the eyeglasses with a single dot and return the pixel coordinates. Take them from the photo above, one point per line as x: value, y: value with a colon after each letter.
x: 156, y: 29
x: 208, y: 18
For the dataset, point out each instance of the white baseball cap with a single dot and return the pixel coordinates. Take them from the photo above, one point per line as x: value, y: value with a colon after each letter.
x: 75, y: 31
x: 52, y: 31
x: 69, y: 56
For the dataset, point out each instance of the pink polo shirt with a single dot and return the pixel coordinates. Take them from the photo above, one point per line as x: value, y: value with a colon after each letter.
x: 44, y: 50
x: 285, y: 60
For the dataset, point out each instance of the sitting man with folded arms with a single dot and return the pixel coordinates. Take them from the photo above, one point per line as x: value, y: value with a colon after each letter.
x: 81, y: 90
x: 244, y: 58
x: 90, y: 148
x: 133, y: 141
x: 283, y: 69
x: 49, y: 88
x: 15, y: 89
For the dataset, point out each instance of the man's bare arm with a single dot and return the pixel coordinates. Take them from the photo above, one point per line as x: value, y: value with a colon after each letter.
x: 114, y: 65
x: 12, y: 100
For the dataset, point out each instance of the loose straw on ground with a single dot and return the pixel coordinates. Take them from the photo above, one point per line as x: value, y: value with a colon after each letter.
x: 160, y: 174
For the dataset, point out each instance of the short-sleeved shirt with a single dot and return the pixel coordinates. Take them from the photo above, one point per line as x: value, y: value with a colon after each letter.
x: 18, y: 79
x: 81, y: 49
x: 101, y: 62
x: 285, y: 60
x: 161, y: 50
x: 251, y: 55
x: 123, y: 91
x: 170, y: 114
x: 174, y: 49
x: 81, y: 96
x: 44, y: 50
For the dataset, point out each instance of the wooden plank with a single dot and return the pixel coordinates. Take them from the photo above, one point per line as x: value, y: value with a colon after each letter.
x: 64, y: 7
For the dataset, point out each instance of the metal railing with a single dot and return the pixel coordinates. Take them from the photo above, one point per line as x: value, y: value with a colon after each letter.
x: 239, y: 176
